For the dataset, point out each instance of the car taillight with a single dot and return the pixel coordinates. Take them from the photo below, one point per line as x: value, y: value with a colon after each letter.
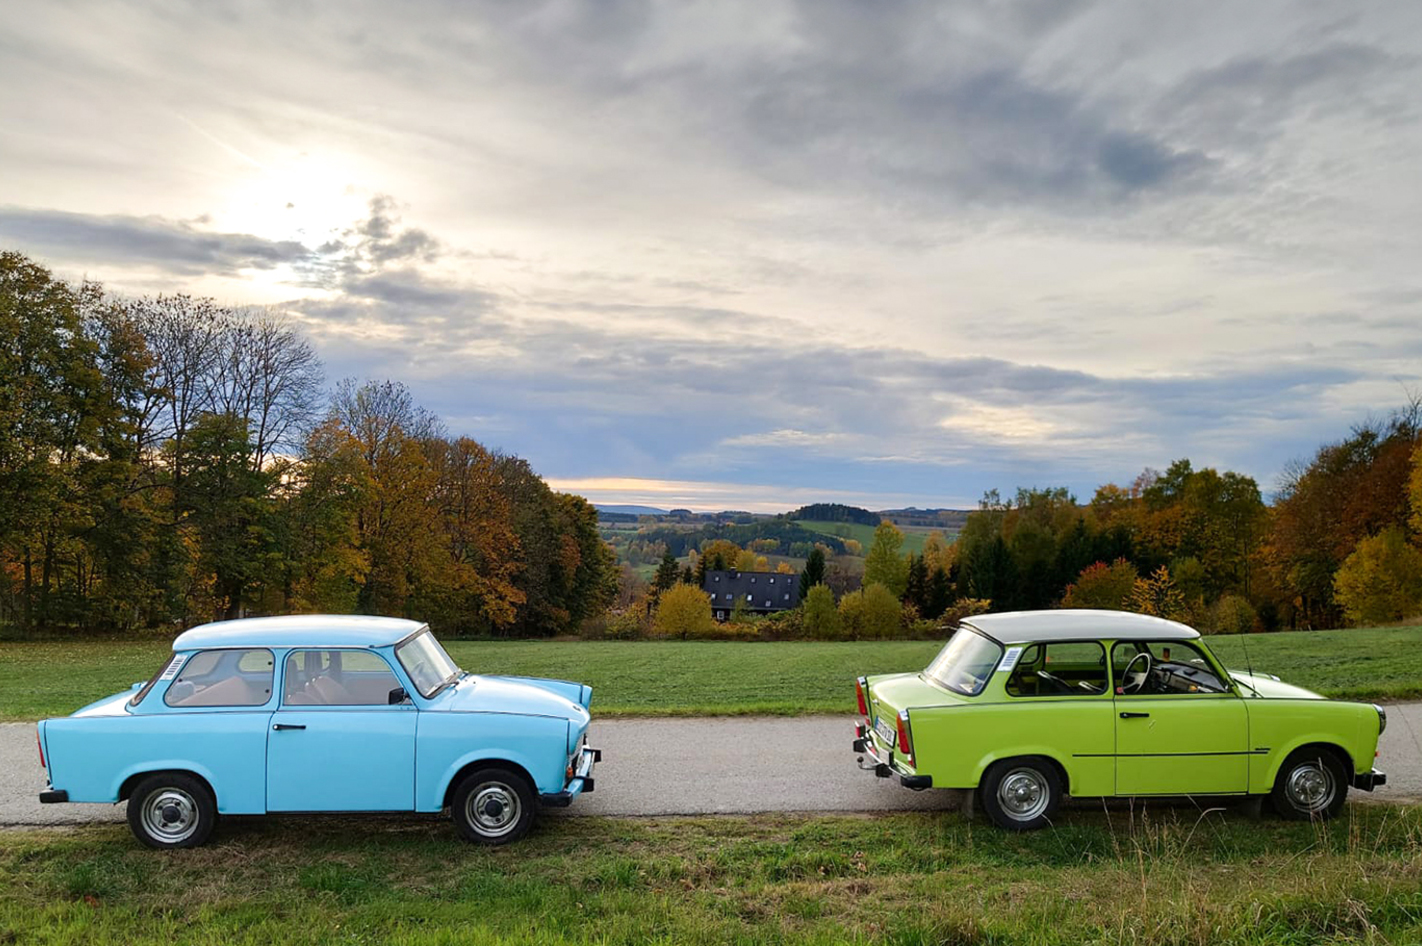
x: 40, y: 746
x: 905, y: 738
x: 861, y: 697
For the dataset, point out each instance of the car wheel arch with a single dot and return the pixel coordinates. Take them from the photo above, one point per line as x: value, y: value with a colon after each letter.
x: 1343, y: 757
x: 488, y: 762
x: 1061, y: 769
x: 125, y: 790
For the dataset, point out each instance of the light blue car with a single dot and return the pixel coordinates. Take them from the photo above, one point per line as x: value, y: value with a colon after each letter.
x: 317, y: 713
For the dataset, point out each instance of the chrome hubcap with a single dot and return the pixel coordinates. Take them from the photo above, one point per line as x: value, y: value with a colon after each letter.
x: 170, y: 815
x: 1023, y: 794
x: 492, y: 809
x: 1310, y: 787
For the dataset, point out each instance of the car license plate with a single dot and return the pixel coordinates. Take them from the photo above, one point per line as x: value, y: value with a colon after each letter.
x: 885, y: 731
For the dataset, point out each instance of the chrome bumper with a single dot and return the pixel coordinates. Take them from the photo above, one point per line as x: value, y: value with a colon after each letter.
x: 1368, y: 781
x: 582, y: 780
x: 883, y: 764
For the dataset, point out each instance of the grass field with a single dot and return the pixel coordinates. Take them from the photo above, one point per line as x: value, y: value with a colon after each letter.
x: 653, y: 678
x: 914, y: 536
x: 1174, y: 877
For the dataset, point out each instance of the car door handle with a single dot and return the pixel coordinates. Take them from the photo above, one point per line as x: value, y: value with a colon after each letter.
x: 281, y: 726
x: 1134, y: 715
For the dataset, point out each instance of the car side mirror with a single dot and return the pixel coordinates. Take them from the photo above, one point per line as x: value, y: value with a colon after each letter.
x: 397, y: 696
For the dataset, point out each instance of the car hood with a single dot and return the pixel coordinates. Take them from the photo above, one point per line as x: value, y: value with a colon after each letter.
x: 1270, y: 687
x: 529, y: 695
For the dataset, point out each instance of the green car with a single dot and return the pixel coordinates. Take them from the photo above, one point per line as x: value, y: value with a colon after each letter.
x: 1027, y: 708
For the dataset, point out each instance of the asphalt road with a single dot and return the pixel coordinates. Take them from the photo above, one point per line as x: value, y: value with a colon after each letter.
x: 703, y: 766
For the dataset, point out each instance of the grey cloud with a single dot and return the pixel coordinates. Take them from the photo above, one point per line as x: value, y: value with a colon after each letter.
x: 173, y: 246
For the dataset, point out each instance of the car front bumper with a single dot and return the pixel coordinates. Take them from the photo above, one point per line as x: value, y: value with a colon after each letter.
x: 883, y: 763
x: 1368, y: 781
x: 582, y: 780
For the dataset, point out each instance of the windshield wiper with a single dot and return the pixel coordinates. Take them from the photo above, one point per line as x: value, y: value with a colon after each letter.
x: 454, y: 677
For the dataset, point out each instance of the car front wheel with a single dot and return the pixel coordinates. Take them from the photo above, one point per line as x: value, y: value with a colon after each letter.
x: 494, y: 806
x: 1312, y: 784
x: 1021, y: 794
x: 171, y: 809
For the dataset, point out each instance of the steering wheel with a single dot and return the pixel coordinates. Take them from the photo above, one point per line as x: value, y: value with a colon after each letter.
x: 1145, y: 675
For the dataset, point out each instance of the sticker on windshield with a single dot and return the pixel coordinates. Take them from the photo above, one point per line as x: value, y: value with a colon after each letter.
x: 1009, y: 659
x: 171, y: 671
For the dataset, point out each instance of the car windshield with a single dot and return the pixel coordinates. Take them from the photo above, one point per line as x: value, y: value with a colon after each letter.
x: 429, y: 667
x: 965, y: 662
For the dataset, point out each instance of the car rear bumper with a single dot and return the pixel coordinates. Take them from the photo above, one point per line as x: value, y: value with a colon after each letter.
x: 582, y: 780
x: 1368, y: 781
x: 53, y: 797
x: 883, y: 764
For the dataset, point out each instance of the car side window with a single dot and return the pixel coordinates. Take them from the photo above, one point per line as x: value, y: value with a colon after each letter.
x: 337, y: 678
x: 223, y: 678
x: 1163, y: 668
x: 1066, y: 668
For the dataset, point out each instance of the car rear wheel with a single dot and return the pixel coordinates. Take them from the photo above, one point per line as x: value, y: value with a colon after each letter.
x: 1311, y: 785
x: 171, y: 809
x: 494, y: 806
x: 1021, y: 794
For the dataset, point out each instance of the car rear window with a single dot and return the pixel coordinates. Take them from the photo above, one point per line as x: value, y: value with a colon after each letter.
x: 223, y: 678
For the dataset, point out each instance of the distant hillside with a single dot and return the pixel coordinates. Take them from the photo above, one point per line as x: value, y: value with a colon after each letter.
x: 861, y: 533
x: 950, y: 520
x: 834, y: 512
x: 630, y: 510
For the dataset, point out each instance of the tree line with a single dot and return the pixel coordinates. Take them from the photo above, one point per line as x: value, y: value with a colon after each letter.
x: 167, y: 460
x: 1341, y: 543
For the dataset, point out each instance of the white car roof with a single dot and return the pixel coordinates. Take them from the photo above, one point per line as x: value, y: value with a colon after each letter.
x: 1025, y: 627
x: 299, y: 630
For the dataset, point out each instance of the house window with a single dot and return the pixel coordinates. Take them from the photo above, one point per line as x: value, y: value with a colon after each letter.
x: 748, y: 597
x: 715, y: 577
x: 752, y: 579
x: 772, y: 581
x: 787, y: 596
x: 767, y: 602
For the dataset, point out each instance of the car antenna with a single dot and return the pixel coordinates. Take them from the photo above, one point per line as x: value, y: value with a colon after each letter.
x: 1248, y: 664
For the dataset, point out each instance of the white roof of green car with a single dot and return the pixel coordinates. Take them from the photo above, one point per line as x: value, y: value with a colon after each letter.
x: 1026, y: 627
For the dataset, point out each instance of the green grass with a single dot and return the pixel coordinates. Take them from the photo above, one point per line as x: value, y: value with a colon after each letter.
x: 1174, y: 876
x: 657, y: 678
x: 914, y: 536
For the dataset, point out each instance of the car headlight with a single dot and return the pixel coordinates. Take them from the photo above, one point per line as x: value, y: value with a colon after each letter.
x: 1382, y: 718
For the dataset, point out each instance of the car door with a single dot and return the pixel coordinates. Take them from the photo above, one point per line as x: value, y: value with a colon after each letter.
x: 336, y: 742
x: 1172, y: 739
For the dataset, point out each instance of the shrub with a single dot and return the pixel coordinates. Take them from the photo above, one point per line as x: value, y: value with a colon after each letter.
x: 1101, y: 586
x: 1232, y: 614
x: 873, y: 612
x: 820, y: 620
x: 1157, y: 596
x: 683, y: 611
x: 1382, y: 580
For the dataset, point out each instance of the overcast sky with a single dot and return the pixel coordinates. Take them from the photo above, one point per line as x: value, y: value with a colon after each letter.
x: 756, y: 254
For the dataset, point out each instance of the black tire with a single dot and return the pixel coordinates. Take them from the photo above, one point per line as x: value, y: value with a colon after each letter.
x: 1021, y: 794
x: 172, y: 809
x: 494, y: 806
x: 1312, y: 785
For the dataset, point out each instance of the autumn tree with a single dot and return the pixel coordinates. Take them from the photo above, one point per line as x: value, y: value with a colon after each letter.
x: 884, y: 565
x: 821, y: 616
x: 683, y: 611
x: 1381, y: 580
x: 871, y: 613
x: 1102, y: 586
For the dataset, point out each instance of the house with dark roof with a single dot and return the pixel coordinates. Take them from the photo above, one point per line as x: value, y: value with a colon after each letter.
x: 755, y: 592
